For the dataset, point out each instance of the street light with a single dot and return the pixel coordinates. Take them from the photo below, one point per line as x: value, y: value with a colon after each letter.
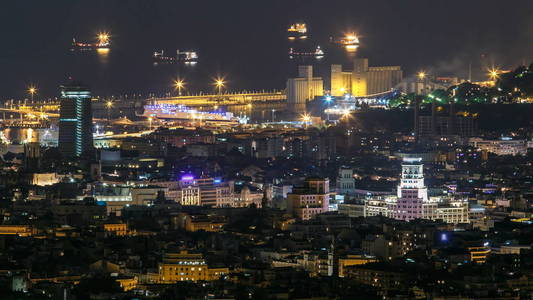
x: 306, y: 118
x: 219, y: 83
x: 32, y: 91
x: 109, y: 105
x: 179, y: 84
x: 421, y: 75
x: 346, y: 114
x: 494, y: 74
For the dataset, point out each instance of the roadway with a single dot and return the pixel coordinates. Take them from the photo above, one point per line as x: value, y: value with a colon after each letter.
x: 29, y: 112
x: 123, y: 135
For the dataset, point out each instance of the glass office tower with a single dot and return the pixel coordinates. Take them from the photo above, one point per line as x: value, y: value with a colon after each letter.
x: 75, y: 121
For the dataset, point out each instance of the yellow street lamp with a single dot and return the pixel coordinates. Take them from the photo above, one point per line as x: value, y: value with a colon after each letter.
x: 32, y: 90
x: 346, y: 114
x: 421, y: 75
x: 109, y: 105
x: 219, y: 83
x: 306, y: 118
x: 179, y: 84
x: 494, y: 74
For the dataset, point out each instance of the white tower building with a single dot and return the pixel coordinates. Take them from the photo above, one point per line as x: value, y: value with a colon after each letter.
x: 412, y: 201
x: 412, y: 193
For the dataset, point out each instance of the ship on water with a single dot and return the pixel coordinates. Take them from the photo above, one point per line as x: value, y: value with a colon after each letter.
x: 297, y: 31
x: 187, y: 57
x: 318, y: 53
x: 103, y: 43
x: 350, y: 41
x: 186, y: 116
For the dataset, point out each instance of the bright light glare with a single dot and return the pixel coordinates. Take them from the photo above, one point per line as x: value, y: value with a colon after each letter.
x: 32, y: 90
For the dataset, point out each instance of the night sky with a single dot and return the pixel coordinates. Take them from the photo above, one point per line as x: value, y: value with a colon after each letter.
x: 246, y: 40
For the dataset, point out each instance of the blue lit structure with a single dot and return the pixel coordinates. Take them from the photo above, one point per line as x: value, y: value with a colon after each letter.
x: 75, y: 121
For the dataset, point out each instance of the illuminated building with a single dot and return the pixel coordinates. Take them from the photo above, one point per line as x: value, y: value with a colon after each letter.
x: 503, y: 146
x: 412, y: 201
x: 411, y: 192
x: 127, y: 283
x: 345, y: 181
x: 75, y: 121
x: 200, y: 191
x: 353, y: 260
x: 116, y: 197
x: 341, y: 82
x: 20, y: 230
x: 364, y: 80
x: 246, y: 198
x: 185, y: 266
x: 424, y: 85
x: 189, y: 195
x: 214, y: 192
x: 44, y: 179
x: 117, y: 229
x: 186, y: 191
x: 305, y: 87
x: 479, y: 254
x: 309, y: 200
x: 197, y: 222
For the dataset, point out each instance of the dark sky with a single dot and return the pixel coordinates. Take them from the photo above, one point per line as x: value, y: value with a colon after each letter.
x: 246, y: 38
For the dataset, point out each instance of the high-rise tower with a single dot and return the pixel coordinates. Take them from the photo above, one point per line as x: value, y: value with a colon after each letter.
x: 412, y: 201
x: 412, y: 193
x: 75, y: 121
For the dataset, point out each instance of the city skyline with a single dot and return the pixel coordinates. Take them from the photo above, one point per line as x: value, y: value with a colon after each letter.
x: 266, y: 150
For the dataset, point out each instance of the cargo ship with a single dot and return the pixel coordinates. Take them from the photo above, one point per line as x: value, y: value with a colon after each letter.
x: 350, y: 41
x: 297, y: 31
x: 187, y: 57
x: 318, y: 53
x: 183, y: 114
x: 103, y: 43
